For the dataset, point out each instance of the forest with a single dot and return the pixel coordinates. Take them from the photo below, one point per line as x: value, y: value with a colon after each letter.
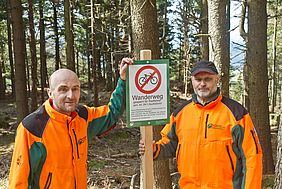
x: 242, y: 37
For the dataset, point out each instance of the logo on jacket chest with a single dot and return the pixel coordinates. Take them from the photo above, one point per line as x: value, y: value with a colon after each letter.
x: 216, y: 126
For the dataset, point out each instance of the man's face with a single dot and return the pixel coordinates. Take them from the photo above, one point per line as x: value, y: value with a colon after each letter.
x: 205, y: 85
x: 65, y: 92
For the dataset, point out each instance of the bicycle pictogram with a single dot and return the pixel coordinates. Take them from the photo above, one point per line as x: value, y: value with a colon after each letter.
x: 148, y: 79
x: 143, y: 79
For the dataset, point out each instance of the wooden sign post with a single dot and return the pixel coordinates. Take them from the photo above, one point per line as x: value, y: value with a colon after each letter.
x: 147, y: 137
x: 147, y: 105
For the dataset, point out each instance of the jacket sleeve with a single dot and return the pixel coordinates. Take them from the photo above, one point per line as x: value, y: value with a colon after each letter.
x: 167, y: 145
x: 101, y: 119
x: 249, y: 153
x: 19, y: 170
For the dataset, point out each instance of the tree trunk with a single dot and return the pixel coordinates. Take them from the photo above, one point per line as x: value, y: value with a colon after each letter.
x: 179, y: 65
x: 88, y: 42
x: 278, y: 168
x: 258, y: 86
x: 117, y: 57
x: 77, y: 63
x: 145, y: 35
x: 163, y: 39
x: 274, y: 59
x: 56, y: 33
x: 218, y: 41
x: 43, y: 67
x: 102, y: 61
x: 243, y: 34
x: 4, y: 72
x: 130, y: 42
x: 186, y: 45
x: 19, y: 55
x: 33, y: 57
x: 69, y: 36
x: 108, y: 66
x: 12, y: 74
x: 246, y: 94
x: 109, y: 73
x: 204, y: 31
x: 112, y: 47
x: 27, y: 70
x: 227, y: 65
x: 94, y: 55
x: 99, y: 67
x: 2, y: 86
x: 89, y: 71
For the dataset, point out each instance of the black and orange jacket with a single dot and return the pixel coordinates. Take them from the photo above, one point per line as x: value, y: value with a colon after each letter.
x: 216, y: 145
x: 50, y: 150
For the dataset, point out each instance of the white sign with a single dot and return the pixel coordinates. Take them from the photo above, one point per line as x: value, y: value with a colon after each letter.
x: 147, y: 93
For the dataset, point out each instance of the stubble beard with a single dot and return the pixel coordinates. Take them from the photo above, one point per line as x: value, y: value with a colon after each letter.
x: 206, y: 95
x: 65, y: 108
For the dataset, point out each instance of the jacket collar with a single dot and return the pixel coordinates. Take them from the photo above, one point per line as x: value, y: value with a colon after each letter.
x: 211, y: 103
x: 54, y: 114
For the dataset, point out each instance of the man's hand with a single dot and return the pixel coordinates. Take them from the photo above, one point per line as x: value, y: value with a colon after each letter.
x: 123, y: 66
x: 142, y: 147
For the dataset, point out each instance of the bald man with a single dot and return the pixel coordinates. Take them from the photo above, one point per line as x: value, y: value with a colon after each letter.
x: 51, y: 144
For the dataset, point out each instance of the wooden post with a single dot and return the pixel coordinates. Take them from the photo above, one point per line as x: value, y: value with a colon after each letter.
x: 147, y: 137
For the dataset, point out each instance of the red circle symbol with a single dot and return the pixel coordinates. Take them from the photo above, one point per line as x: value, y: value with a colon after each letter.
x: 152, y: 79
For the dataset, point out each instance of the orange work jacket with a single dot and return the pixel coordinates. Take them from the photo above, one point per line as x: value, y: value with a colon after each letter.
x: 216, y: 145
x: 50, y: 149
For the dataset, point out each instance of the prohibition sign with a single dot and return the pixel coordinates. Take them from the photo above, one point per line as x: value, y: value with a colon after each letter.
x: 155, y: 80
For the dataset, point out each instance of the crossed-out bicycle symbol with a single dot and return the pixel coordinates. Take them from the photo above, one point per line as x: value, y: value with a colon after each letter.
x: 148, y: 79
x: 143, y: 79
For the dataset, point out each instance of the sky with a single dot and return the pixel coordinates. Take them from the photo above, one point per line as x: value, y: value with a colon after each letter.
x: 236, y: 55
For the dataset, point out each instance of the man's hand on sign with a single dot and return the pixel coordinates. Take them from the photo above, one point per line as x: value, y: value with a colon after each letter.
x: 142, y: 147
x: 123, y: 66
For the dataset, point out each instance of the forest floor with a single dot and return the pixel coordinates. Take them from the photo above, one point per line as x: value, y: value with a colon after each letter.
x: 113, y: 160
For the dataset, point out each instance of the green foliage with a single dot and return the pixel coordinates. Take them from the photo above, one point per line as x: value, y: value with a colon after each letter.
x: 3, y: 34
x: 112, y: 29
x: 165, y: 28
x: 274, y: 9
x: 6, y: 140
x: 97, y: 164
x: 268, y: 181
x: 186, y: 15
x: 118, y: 137
x: 4, y: 122
x: 3, y: 12
x: 236, y: 84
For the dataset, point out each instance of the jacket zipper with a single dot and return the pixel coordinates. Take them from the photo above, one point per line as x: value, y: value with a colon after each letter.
x: 76, y: 144
x: 230, y: 159
x: 253, y: 134
x: 70, y: 137
x: 72, y: 149
x: 178, y: 150
x: 206, y: 126
x: 48, y: 181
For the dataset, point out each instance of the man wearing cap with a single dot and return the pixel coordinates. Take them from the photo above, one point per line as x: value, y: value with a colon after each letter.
x: 212, y: 137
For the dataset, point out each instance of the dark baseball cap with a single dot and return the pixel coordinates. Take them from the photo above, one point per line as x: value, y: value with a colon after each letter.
x: 204, y: 66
